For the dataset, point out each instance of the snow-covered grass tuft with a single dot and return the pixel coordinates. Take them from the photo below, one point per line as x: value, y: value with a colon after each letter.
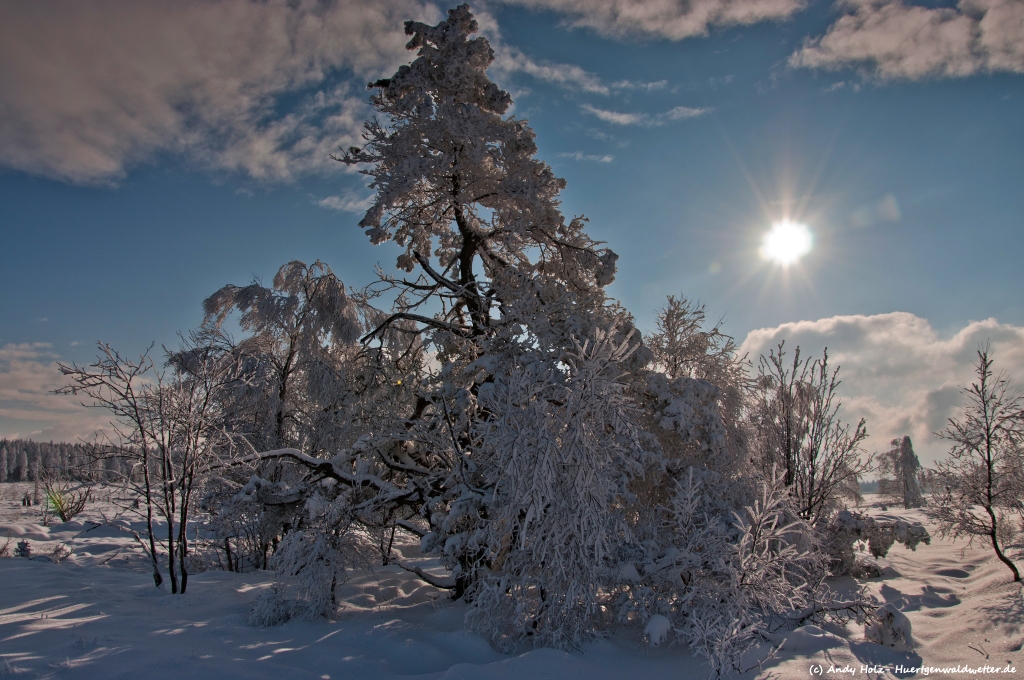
x: 657, y: 630
x: 271, y: 608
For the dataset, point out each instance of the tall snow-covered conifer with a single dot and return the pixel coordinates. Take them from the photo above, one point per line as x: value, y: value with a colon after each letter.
x: 510, y: 294
x: 459, y: 188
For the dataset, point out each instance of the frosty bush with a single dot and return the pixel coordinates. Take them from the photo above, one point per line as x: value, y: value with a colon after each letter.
x: 271, y: 608
x: 313, y: 559
x: 723, y: 578
x: 59, y: 553
x: 65, y: 499
x: 847, y: 528
x: 557, y: 455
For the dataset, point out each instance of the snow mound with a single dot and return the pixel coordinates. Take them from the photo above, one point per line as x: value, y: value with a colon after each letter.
x: 808, y: 640
x: 31, y: 532
x: 890, y: 628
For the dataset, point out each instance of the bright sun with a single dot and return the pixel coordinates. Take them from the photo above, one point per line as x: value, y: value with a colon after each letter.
x: 786, y: 243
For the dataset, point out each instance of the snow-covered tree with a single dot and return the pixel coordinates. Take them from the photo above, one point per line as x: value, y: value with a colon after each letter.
x: 296, y: 331
x: 683, y: 346
x: 305, y: 385
x: 799, y: 433
x: 459, y: 189
x: 899, y: 468
x: 509, y: 295
x: 507, y: 278
x: 3, y: 464
x: 21, y: 466
x: 556, y: 456
x: 983, y: 477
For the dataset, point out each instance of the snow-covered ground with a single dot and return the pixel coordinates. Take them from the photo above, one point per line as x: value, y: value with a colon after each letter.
x: 97, y: 615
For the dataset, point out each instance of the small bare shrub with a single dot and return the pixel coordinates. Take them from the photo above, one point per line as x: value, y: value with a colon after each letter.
x: 60, y: 553
x: 65, y: 500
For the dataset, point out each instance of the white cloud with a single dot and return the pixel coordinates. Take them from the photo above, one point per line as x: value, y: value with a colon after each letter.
x: 580, y: 156
x: 29, y: 409
x: 509, y: 59
x: 616, y: 117
x: 88, y: 89
x: 639, y: 85
x: 681, y: 113
x: 890, y: 39
x: 645, y: 119
x: 897, y: 371
x: 672, y: 19
x: 347, y: 202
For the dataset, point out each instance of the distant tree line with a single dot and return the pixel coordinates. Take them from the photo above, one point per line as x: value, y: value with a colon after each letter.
x: 23, y: 460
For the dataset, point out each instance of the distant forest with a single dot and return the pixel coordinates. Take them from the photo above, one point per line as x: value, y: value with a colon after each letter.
x: 26, y: 461
x: 869, y: 486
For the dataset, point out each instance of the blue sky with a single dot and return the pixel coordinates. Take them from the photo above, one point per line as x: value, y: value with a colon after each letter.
x: 151, y: 153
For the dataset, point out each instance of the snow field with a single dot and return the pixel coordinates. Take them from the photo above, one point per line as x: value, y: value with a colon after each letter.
x: 97, y: 615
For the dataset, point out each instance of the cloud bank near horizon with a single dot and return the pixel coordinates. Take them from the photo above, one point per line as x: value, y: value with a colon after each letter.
x: 28, y: 407
x: 897, y: 371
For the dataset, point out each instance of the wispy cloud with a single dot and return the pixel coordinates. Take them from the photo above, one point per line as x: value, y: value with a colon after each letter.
x: 88, y: 89
x: 889, y: 39
x: 639, y: 85
x: 645, y: 119
x: 842, y: 85
x: 580, y: 156
x: 617, y: 117
x: 897, y: 371
x: 511, y: 59
x: 885, y: 210
x: 347, y: 202
x: 672, y: 19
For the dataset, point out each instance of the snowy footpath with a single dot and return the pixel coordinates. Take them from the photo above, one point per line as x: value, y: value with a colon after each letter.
x: 97, y: 615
